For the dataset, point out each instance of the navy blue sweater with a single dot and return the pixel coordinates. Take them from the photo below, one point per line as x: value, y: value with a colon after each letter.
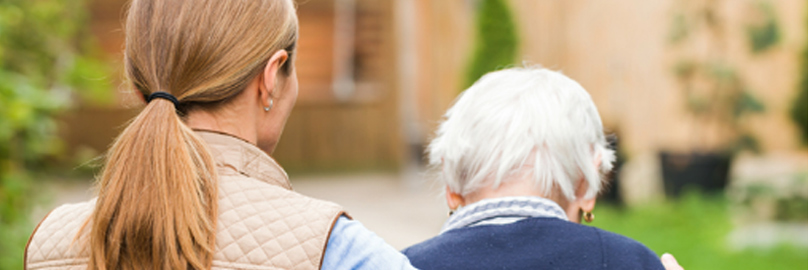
x: 532, y: 243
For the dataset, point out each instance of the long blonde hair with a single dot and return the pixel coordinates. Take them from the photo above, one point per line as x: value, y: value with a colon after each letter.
x: 157, y: 195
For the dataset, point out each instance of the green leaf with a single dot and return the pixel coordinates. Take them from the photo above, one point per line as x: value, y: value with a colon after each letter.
x: 747, y: 103
x: 766, y: 34
x: 680, y: 29
x: 685, y: 69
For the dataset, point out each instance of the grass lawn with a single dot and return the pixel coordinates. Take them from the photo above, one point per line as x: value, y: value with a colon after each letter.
x: 694, y: 229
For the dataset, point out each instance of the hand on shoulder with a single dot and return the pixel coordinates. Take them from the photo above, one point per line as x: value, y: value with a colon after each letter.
x: 670, y: 262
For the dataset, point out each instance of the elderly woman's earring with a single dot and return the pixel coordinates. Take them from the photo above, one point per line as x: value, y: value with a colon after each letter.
x: 266, y: 109
x: 589, y: 217
x: 452, y: 211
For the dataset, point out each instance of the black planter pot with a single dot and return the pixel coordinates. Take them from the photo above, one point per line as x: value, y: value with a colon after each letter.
x: 707, y: 172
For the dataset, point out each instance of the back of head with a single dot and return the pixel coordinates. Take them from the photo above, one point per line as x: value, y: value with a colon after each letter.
x: 157, y: 201
x: 522, y: 119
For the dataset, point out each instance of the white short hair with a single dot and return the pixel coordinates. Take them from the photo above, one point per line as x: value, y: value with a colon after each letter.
x: 517, y: 119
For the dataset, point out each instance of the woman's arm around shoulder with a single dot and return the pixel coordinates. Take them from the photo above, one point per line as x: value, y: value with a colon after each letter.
x: 352, y: 246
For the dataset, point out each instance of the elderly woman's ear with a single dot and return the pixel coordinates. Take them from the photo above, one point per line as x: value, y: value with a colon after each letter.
x: 453, y: 200
x: 581, y: 203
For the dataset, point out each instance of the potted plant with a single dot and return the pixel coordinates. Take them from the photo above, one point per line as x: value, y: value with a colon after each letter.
x: 716, y: 97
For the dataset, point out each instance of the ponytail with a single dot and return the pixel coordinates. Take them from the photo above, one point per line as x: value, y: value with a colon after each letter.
x: 157, y: 198
x: 157, y: 201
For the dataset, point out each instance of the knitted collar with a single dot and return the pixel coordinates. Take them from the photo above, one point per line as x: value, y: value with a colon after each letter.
x: 503, y: 211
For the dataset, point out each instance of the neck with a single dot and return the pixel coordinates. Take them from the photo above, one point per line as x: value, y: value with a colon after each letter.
x: 519, y: 184
x: 513, y: 188
x: 225, y: 121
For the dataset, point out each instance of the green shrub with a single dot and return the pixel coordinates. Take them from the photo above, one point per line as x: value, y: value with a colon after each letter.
x: 496, y: 40
x: 44, y: 64
x: 800, y: 110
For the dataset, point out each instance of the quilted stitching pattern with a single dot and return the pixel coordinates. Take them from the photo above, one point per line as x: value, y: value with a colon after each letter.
x: 53, y: 245
x: 262, y: 223
x: 267, y: 225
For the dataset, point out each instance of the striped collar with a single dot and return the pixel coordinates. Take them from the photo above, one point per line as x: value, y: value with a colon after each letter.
x: 498, y: 211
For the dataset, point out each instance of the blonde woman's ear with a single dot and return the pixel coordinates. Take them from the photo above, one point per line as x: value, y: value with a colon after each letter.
x: 270, y: 75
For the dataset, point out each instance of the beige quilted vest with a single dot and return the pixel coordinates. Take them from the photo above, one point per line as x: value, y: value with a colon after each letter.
x: 262, y: 224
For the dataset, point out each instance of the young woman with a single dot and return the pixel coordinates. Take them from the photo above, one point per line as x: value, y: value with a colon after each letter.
x: 190, y: 183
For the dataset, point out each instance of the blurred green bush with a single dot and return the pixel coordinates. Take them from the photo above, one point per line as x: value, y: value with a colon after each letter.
x: 800, y: 110
x: 45, y: 64
x: 496, y: 40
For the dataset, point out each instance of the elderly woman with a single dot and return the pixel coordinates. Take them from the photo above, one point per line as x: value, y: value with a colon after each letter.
x: 523, y: 154
x: 190, y: 183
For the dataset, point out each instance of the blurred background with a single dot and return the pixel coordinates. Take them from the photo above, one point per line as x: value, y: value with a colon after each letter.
x: 706, y: 101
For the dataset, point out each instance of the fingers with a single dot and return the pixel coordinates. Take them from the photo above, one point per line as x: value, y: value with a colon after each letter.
x: 670, y: 262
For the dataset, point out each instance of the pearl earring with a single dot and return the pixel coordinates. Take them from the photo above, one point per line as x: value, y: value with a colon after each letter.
x: 266, y: 109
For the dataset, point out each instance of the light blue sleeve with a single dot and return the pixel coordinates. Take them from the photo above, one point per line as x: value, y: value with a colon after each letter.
x: 352, y: 246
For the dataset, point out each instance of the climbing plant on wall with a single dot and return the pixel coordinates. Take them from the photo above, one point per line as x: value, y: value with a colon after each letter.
x: 715, y: 92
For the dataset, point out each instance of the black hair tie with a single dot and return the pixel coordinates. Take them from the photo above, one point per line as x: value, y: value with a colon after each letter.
x: 163, y: 95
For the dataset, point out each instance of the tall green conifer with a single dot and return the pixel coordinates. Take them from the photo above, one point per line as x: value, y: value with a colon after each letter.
x: 496, y: 40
